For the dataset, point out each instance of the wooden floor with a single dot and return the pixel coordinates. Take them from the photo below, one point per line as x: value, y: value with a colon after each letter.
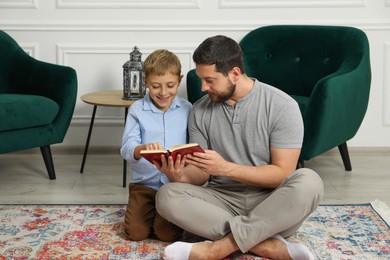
x: 23, y: 178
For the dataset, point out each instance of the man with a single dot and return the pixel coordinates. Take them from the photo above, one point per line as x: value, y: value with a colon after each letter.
x: 244, y: 192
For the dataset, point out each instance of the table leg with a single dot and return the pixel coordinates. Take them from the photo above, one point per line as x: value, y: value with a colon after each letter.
x: 88, y: 138
x: 124, y: 172
x: 124, y: 160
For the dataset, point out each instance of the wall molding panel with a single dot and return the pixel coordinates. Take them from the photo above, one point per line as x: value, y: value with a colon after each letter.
x: 22, y: 4
x: 133, y: 4
x: 99, y: 120
x: 386, y: 85
x: 31, y: 49
x: 175, y: 26
x: 289, y: 3
x: 64, y: 52
x: 65, y: 49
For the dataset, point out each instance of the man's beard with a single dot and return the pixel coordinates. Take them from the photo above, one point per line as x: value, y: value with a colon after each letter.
x: 219, y: 98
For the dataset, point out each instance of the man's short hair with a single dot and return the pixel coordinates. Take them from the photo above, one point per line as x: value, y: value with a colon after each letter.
x: 222, y: 51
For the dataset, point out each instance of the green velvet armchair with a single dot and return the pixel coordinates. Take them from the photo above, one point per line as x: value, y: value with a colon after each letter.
x: 37, y: 101
x: 326, y: 69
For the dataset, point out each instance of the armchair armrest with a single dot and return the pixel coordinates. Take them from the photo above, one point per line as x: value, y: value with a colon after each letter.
x: 26, y: 75
x: 336, y: 99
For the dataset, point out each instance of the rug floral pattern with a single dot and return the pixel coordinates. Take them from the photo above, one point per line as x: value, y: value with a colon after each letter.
x: 96, y: 232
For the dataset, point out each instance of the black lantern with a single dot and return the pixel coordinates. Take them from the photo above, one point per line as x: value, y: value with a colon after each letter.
x: 133, y: 85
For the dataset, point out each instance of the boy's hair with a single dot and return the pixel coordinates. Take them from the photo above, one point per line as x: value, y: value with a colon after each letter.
x: 222, y: 51
x: 160, y: 62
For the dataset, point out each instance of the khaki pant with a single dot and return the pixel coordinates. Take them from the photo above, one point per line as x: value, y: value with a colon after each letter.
x: 143, y: 221
x: 251, y: 214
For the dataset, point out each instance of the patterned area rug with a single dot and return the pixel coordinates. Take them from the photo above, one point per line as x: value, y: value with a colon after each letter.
x: 96, y: 232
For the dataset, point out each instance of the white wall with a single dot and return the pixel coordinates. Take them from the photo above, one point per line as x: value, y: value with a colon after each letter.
x: 96, y: 36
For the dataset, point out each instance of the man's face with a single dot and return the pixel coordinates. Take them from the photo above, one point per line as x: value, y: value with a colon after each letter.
x: 219, y: 87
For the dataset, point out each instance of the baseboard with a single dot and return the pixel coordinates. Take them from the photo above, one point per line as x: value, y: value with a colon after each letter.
x: 360, y: 151
x: 62, y: 149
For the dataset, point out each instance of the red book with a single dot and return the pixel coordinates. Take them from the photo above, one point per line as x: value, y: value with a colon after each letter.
x: 182, y: 149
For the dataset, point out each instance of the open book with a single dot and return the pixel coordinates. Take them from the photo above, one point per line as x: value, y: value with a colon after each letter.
x: 182, y: 149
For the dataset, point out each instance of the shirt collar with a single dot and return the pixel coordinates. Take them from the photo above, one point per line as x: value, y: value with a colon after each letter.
x: 148, y: 104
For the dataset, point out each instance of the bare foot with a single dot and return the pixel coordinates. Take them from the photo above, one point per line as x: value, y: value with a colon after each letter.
x: 272, y: 248
x: 202, y: 250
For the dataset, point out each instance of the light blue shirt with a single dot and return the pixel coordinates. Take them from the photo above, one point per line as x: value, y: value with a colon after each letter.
x: 146, y: 123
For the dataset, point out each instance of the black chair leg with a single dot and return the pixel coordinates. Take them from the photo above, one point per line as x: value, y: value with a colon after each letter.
x: 300, y: 164
x: 345, y: 156
x: 47, y: 158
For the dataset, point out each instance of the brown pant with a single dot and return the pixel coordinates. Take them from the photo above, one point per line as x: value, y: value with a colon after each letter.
x: 143, y: 221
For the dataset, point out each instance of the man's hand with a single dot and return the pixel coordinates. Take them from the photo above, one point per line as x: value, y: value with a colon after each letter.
x: 267, y: 176
x: 210, y: 162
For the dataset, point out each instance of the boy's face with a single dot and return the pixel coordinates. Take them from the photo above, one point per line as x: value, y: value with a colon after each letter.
x: 163, y: 89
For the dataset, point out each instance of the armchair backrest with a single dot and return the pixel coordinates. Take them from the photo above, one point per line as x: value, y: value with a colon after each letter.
x: 294, y: 58
x: 8, y: 49
x: 194, y: 87
x: 326, y: 69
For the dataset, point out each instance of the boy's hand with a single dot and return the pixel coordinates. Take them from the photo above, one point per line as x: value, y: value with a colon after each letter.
x: 149, y: 146
x: 153, y: 146
x: 174, y: 170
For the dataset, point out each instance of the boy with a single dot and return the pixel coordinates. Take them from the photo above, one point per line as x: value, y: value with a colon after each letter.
x: 158, y: 121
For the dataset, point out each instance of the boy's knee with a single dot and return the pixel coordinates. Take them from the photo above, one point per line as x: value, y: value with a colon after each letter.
x: 165, y: 230
x: 168, y: 233
x: 136, y: 232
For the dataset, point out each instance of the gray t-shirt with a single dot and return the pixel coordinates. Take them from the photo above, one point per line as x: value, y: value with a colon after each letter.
x: 266, y: 117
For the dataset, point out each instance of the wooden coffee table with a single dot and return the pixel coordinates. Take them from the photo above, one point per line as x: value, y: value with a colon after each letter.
x: 108, y: 98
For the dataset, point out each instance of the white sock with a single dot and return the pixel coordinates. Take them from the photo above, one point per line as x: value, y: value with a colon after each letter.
x: 295, y: 250
x: 177, y: 251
